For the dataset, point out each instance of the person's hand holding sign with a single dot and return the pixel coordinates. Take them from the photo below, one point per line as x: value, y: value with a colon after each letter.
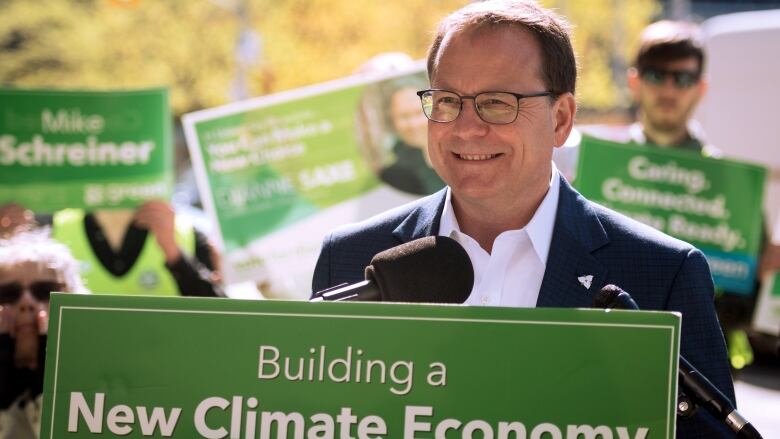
x: 770, y: 259
x: 159, y: 218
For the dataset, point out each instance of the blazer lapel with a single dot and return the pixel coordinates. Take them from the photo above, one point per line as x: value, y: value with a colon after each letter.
x: 424, y: 220
x: 573, y: 276
x: 577, y: 233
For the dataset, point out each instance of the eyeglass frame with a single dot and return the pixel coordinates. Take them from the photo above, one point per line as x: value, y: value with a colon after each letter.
x: 665, y: 73
x: 473, y: 98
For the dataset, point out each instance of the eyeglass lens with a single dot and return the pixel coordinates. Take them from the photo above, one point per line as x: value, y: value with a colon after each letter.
x: 12, y: 292
x: 682, y: 78
x: 492, y: 107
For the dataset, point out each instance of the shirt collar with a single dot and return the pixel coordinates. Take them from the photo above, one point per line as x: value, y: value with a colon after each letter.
x: 539, y: 229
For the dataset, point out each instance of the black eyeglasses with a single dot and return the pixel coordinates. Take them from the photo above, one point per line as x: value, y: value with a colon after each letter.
x: 12, y: 292
x: 682, y: 78
x: 497, y: 107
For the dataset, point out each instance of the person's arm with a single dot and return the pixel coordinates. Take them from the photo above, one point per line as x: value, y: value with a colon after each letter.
x: 770, y: 259
x: 702, y: 342
x: 198, y: 276
x: 194, y: 276
x: 15, y: 380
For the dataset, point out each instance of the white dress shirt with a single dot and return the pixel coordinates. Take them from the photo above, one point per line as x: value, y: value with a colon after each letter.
x: 512, y: 274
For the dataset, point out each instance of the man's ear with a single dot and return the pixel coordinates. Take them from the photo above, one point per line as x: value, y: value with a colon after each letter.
x: 632, y: 75
x: 703, y: 86
x: 564, y: 110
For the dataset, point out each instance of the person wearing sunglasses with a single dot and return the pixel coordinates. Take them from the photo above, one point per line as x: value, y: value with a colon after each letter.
x: 32, y: 266
x: 666, y: 83
x: 501, y: 99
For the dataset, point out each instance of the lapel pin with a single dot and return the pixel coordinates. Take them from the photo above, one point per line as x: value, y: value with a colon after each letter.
x: 586, y: 281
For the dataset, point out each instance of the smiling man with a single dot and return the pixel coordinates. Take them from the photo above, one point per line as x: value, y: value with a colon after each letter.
x: 502, y: 77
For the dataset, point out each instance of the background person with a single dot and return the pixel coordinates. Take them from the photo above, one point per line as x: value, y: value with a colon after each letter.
x: 667, y: 82
x: 146, y: 251
x: 392, y: 131
x: 495, y: 117
x: 31, y: 267
x: 411, y: 169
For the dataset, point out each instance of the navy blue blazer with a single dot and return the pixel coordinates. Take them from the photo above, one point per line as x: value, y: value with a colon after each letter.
x: 660, y: 273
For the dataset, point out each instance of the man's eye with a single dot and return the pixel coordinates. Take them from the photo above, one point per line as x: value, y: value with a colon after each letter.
x: 447, y: 100
x: 496, y: 103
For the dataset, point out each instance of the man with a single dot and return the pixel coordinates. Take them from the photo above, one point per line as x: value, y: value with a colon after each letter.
x: 502, y: 97
x: 666, y: 83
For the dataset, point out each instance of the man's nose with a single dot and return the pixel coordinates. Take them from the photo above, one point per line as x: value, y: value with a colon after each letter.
x: 669, y: 83
x: 468, y: 123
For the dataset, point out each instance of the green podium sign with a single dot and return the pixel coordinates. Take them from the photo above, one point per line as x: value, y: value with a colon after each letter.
x: 217, y: 368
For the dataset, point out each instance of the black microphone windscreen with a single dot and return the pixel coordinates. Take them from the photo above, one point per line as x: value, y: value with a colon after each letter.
x: 607, y: 297
x: 612, y: 296
x: 434, y: 269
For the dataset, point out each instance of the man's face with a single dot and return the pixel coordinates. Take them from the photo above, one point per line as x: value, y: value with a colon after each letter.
x: 408, y: 119
x: 487, y: 161
x: 666, y: 106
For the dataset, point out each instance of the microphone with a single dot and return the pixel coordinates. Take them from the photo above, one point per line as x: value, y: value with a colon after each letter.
x: 695, y: 385
x: 434, y: 269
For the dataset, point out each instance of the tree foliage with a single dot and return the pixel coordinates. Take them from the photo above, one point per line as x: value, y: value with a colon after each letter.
x: 190, y: 46
x: 605, y: 39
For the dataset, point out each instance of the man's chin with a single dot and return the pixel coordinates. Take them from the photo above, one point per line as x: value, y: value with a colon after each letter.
x: 668, y: 123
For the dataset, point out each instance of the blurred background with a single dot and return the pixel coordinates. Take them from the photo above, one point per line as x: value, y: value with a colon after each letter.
x: 212, y: 52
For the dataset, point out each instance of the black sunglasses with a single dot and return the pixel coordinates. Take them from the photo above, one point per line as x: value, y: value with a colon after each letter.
x: 682, y: 78
x: 12, y: 292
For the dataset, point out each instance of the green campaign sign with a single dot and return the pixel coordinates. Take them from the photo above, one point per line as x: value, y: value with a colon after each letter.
x: 715, y: 204
x: 217, y: 368
x: 85, y: 149
x: 278, y: 172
